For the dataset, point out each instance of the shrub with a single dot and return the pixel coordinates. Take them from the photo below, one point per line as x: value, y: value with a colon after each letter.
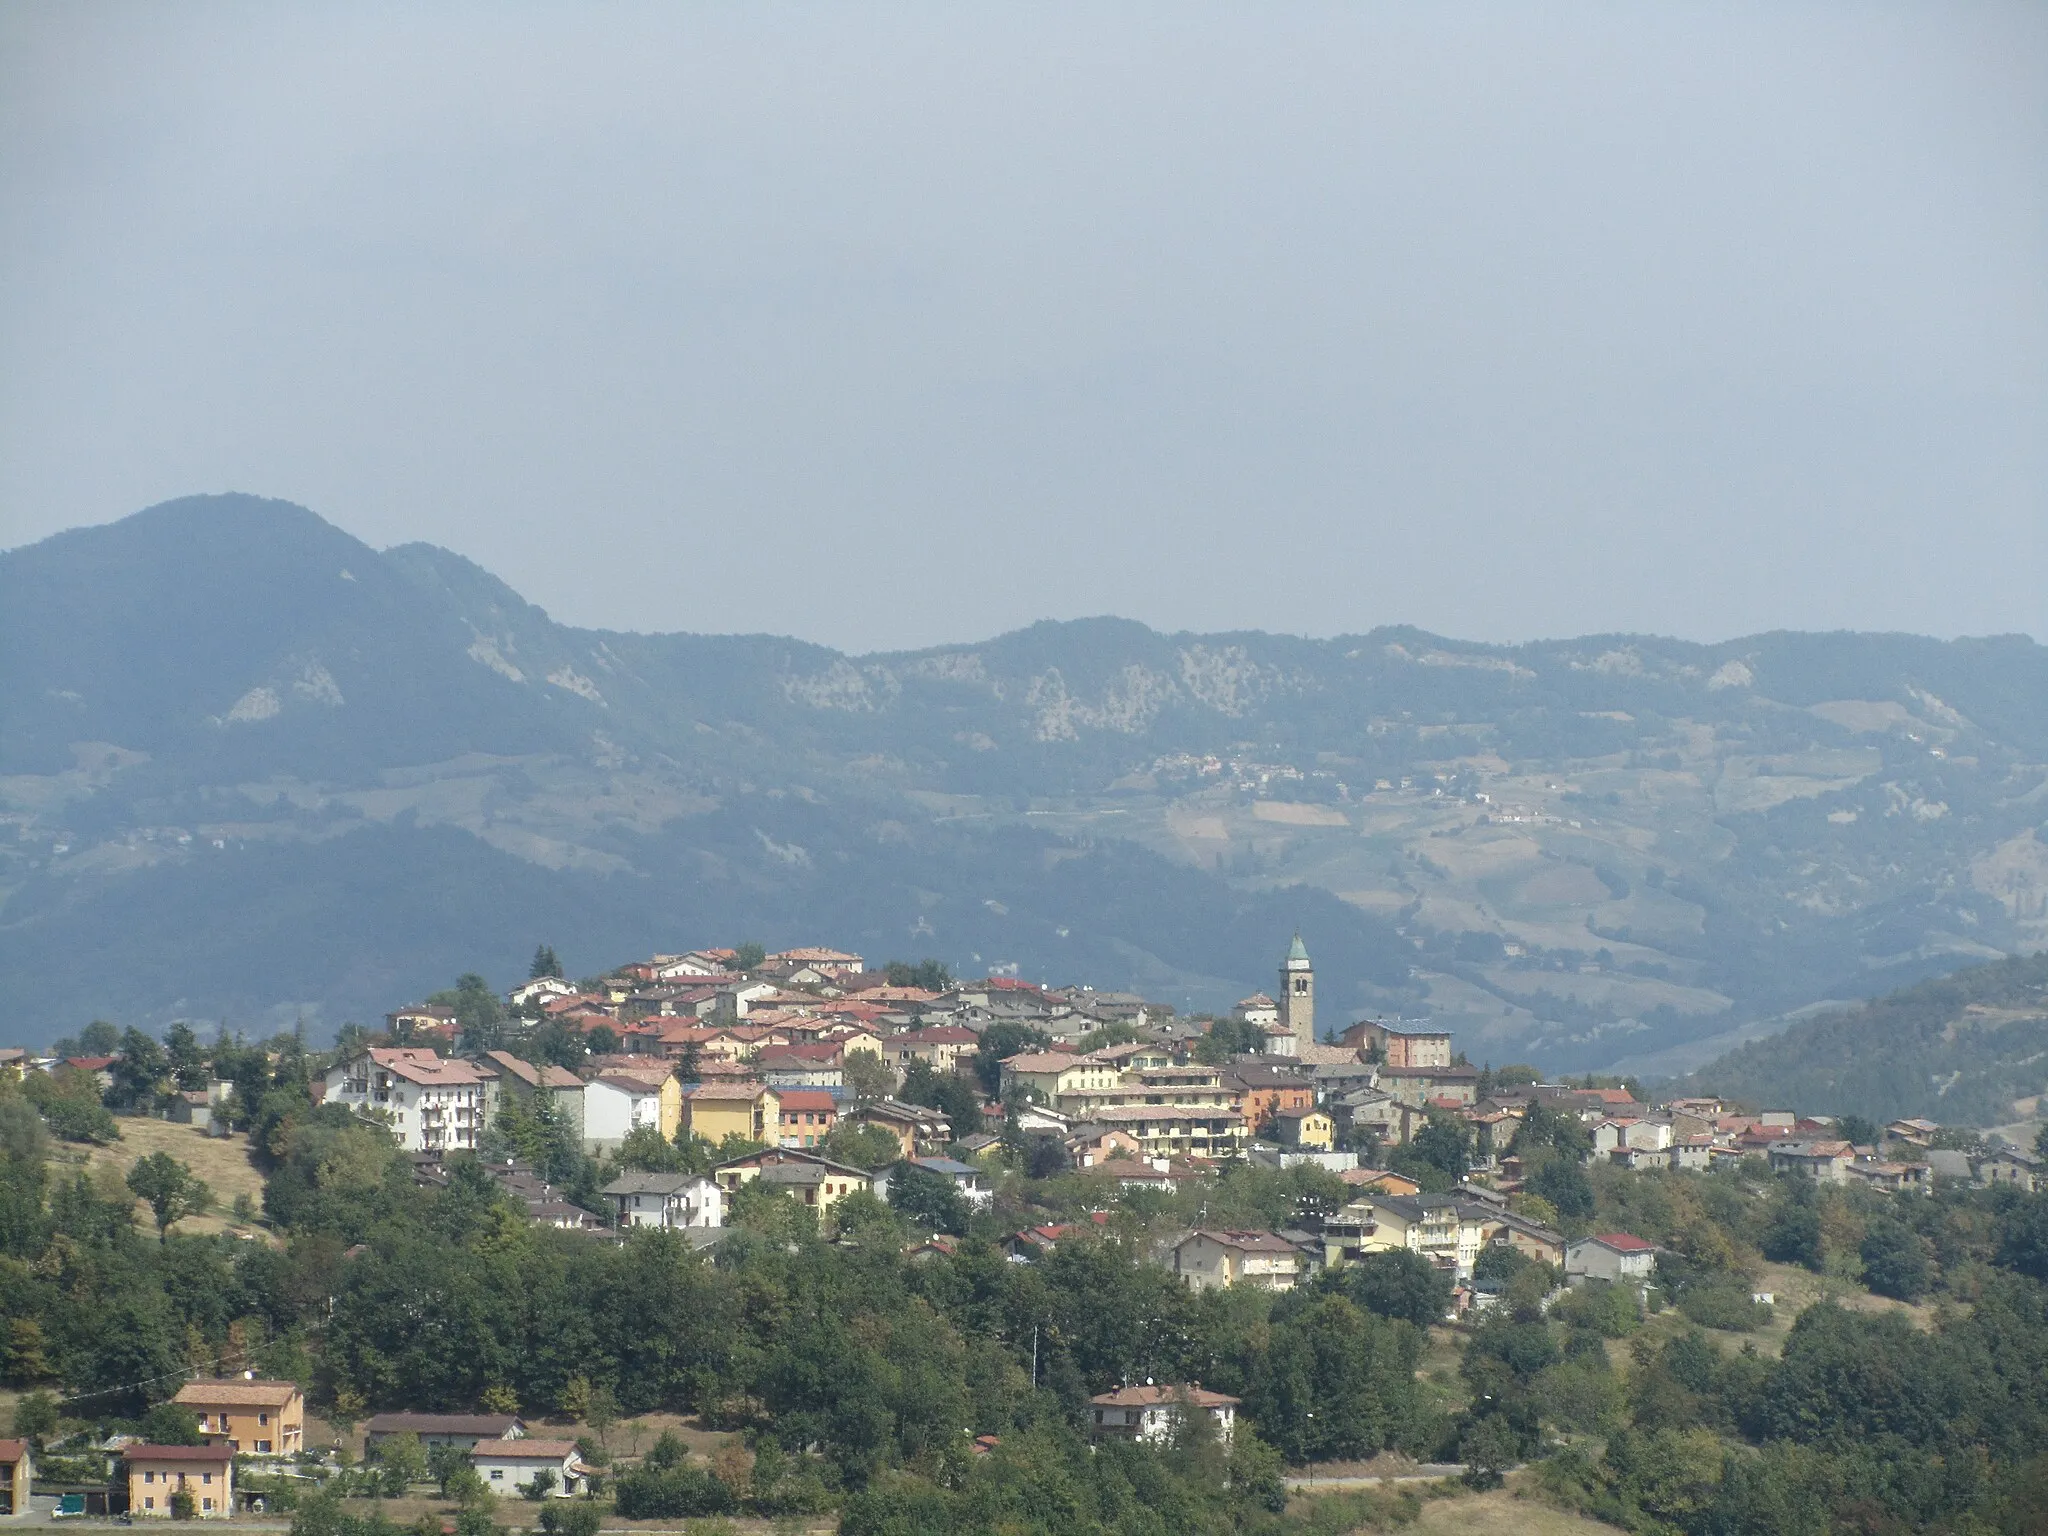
x: 1725, y: 1307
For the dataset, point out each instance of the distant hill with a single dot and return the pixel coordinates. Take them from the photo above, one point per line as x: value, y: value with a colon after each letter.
x: 1960, y: 1049
x: 250, y: 766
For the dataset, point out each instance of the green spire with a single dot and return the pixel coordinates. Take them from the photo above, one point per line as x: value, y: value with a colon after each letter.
x: 1297, y: 952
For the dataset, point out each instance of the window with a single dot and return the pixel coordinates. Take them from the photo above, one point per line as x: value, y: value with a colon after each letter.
x: 149, y: 1503
x: 497, y: 1474
x: 149, y: 1477
x: 206, y: 1477
x: 206, y: 1503
x: 263, y: 1447
x: 262, y: 1418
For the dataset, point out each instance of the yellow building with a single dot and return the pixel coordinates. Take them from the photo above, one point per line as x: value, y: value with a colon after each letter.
x: 157, y: 1473
x: 717, y: 1110
x: 817, y: 1182
x: 254, y: 1418
x: 1306, y: 1128
x: 1053, y: 1073
x: 17, y: 1469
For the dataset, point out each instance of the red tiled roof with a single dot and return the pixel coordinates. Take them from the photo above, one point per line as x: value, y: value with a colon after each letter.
x: 212, y: 1454
x: 1623, y: 1242
x: 805, y: 1098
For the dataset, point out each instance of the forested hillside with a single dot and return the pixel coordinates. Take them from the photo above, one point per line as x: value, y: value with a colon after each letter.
x: 251, y: 767
x: 1961, y: 1049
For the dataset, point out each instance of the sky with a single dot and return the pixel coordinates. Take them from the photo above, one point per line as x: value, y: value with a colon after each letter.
x: 896, y: 325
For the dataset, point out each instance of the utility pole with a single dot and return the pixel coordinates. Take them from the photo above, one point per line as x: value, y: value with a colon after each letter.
x: 1034, y: 1357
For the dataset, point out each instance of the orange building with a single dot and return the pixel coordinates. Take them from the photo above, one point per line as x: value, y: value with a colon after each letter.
x: 156, y: 1473
x: 1263, y: 1092
x: 253, y: 1418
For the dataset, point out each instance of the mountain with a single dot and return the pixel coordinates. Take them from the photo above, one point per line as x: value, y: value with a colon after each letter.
x: 1960, y: 1049
x: 252, y: 767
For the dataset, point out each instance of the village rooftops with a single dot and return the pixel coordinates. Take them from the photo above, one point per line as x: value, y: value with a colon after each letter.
x: 1041, y: 1061
x: 1621, y: 1242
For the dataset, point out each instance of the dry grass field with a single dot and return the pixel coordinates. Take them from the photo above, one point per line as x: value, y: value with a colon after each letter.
x: 1502, y: 1513
x: 222, y: 1161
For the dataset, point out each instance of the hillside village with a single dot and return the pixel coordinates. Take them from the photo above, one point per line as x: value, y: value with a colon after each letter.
x: 706, y: 1098
x: 809, y: 1072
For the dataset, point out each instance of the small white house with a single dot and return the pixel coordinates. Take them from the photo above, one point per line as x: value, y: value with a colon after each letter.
x: 1615, y: 1257
x: 674, y: 1200
x: 508, y: 1467
x: 1151, y: 1413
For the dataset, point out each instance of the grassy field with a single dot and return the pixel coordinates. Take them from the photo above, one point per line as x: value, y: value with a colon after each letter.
x: 1502, y: 1513
x: 222, y: 1161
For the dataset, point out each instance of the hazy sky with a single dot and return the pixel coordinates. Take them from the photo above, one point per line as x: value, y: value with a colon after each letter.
x: 887, y: 325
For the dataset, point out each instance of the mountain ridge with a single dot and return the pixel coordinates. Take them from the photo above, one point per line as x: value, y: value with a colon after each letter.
x: 1737, y: 827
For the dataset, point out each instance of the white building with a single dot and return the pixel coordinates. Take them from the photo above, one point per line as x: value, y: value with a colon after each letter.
x: 1150, y: 1413
x: 614, y: 1106
x: 431, y: 1103
x: 666, y: 1200
x: 1614, y: 1257
x: 508, y: 1467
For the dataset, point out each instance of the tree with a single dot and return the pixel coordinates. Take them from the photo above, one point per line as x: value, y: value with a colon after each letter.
x: 1398, y: 1283
x: 602, y: 1412
x: 169, y: 1188
x: 1227, y: 1038
x: 539, y: 1486
x: 477, y: 1014
x: 99, y: 1038
x: 749, y: 957
x: 402, y: 1463
x: 171, y: 1424
x: 1563, y: 1183
x: 928, y: 975
x: 186, y: 1058
x: 601, y: 1040
x: 1445, y: 1144
x: 999, y: 1042
x: 1895, y: 1260
x: 138, y: 1072
x: 945, y: 1092
x: 1489, y: 1449
x: 861, y: 1146
x: 1859, y: 1130
x: 1794, y: 1236
x: 867, y: 1077
x: 35, y: 1416
x: 930, y: 1199
x: 544, y: 964
x: 689, y: 1067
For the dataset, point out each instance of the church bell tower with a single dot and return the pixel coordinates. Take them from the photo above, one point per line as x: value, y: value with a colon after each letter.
x: 1298, y: 995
